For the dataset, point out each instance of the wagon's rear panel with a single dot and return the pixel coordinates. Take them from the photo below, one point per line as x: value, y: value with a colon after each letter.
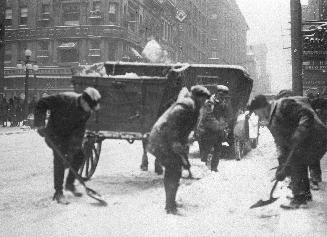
x: 128, y: 104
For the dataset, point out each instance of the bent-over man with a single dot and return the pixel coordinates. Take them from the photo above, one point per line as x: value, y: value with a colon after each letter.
x: 300, y: 137
x: 65, y: 130
x: 168, y: 140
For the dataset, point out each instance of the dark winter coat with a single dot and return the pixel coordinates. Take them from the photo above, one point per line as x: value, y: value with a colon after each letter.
x: 293, y: 123
x: 173, y: 127
x: 211, y: 123
x: 67, y: 120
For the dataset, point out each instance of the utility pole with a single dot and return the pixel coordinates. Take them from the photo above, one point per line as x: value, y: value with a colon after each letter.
x: 2, y: 44
x: 296, y: 46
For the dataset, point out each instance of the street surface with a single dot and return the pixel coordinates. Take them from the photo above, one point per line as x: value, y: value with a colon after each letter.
x: 216, y: 205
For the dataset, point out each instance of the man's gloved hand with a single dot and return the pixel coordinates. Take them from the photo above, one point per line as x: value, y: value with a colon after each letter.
x: 41, y: 131
x: 282, y: 172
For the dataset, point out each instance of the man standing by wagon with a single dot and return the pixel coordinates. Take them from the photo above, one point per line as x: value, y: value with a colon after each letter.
x: 300, y: 137
x: 214, y: 118
x: 168, y: 140
x: 64, y: 131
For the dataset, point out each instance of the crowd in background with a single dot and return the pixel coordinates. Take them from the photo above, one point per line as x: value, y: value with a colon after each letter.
x: 12, y: 111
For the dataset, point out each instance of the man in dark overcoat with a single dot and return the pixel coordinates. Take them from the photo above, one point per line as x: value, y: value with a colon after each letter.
x: 213, y: 121
x: 319, y: 105
x: 168, y: 140
x: 300, y: 137
x: 64, y: 131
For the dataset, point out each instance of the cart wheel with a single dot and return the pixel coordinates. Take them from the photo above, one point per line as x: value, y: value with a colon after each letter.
x: 238, y: 149
x: 92, y: 150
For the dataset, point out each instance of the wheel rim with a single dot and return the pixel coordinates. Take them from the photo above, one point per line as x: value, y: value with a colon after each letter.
x: 92, y: 152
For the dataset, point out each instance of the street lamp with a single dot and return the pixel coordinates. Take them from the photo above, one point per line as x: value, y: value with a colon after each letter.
x: 27, y: 65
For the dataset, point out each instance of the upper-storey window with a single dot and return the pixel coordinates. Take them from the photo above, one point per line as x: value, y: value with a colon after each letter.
x: 43, y: 51
x: 113, y: 12
x: 45, y: 14
x: 95, y: 13
x: 8, y: 54
x: 8, y: 17
x: 132, y: 18
x: 71, y: 13
x: 23, y: 16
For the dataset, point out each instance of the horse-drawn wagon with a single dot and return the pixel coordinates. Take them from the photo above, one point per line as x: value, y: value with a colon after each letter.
x: 134, y: 95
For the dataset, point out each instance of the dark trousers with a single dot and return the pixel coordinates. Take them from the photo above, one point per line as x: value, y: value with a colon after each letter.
x: 206, y: 145
x: 300, y: 180
x: 315, y: 171
x: 59, y: 168
x: 171, y: 182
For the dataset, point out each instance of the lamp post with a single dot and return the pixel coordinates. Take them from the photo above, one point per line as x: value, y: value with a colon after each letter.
x: 27, y: 65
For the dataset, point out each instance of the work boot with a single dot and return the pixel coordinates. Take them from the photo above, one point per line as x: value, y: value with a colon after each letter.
x: 60, y: 198
x: 308, y: 197
x: 295, y: 203
x: 314, y: 185
x: 71, y: 188
x: 214, y: 169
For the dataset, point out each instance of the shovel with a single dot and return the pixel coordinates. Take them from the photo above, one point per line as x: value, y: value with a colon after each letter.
x: 271, y: 199
x: 90, y: 192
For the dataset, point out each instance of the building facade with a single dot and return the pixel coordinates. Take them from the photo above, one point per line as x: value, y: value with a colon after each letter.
x: 227, y: 32
x: 257, y: 67
x: 315, y: 48
x: 65, y: 33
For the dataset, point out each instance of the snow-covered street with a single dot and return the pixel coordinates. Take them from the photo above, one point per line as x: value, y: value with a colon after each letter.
x: 216, y: 205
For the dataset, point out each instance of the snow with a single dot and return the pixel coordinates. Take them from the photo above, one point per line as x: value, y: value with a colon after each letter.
x: 216, y: 205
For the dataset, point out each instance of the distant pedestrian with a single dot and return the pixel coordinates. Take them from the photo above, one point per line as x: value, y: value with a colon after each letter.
x: 300, y: 137
x: 168, y: 140
x: 3, y: 111
x: 65, y: 129
x: 11, y: 112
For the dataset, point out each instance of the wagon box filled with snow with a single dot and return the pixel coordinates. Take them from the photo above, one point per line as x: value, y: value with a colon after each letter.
x: 134, y: 95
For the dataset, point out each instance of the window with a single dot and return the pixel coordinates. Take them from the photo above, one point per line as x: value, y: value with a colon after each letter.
x: 43, y: 51
x: 45, y: 14
x: 71, y: 14
x: 68, y: 52
x: 132, y: 18
x: 94, y: 48
x: 96, y: 10
x: 23, y: 16
x: 8, y: 54
x: 97, y: 6
x: 8, y: 17
x: 113, y: 12
x: 167, y: 31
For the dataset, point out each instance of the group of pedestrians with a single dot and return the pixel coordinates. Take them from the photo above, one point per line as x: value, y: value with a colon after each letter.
x: 12, y: 111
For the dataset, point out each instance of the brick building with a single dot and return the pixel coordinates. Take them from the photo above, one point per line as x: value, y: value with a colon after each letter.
x: 228, y: 29
x: 64, y: 33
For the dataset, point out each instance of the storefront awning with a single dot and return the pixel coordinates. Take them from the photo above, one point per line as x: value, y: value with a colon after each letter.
x: 69, y: 45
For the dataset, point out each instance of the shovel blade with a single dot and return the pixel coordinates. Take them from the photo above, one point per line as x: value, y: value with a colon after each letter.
x: 93, y: 194
x: 262, y: 203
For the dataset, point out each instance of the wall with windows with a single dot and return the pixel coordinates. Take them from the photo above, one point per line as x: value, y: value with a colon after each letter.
x: 227, y: 30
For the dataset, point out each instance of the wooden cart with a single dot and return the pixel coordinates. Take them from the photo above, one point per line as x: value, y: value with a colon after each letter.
x: 134, y: 95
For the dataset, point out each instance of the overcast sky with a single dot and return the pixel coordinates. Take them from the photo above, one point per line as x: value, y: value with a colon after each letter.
x: 268, y: 21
